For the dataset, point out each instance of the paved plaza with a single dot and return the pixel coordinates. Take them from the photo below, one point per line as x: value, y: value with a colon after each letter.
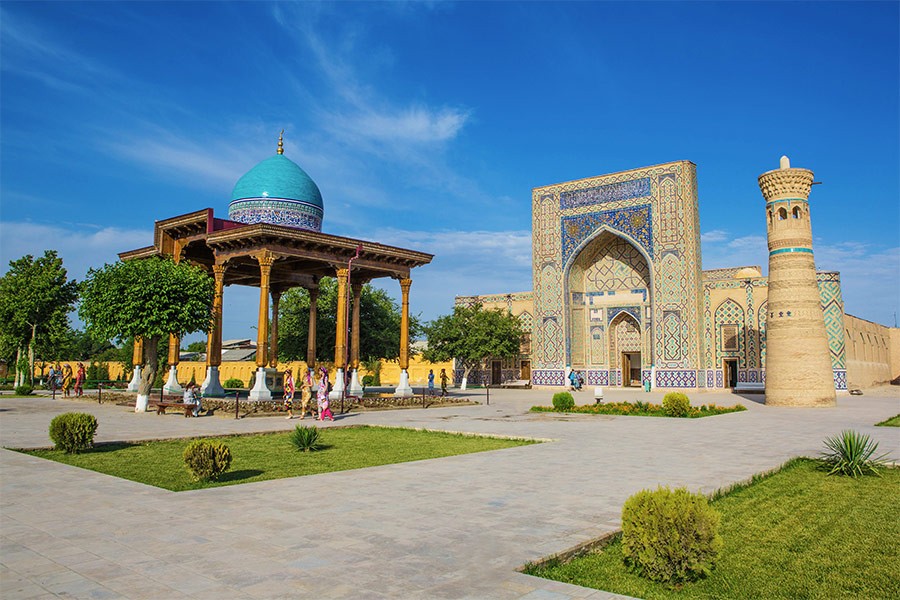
x: 455, y: 527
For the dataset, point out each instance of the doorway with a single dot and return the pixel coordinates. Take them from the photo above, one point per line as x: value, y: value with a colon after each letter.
x: 731, y: 372
x: 496, y: 373
x: 631, y: 369
x: 525, y: 372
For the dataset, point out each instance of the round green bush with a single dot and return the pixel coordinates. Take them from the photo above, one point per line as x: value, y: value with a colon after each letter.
x: 563, y: 401
x: 24, y: 390
x: 368, y: 380
x: 73, y: 432
x: 670, y: 536
x: 234, y: 383
x: 207, y: 460
x: 676, y: 404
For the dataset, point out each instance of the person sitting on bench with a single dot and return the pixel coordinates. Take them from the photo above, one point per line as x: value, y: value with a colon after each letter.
x: 190, y: 397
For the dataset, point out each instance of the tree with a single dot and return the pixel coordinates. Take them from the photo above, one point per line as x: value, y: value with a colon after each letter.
x: 152, y: 299
x: 197, y: 347
x: 379, y: 323
x: 470, y: 334
x: 35, y: 300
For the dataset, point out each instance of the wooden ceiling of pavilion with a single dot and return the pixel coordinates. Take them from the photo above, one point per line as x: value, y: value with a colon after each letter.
x: 302, y: 256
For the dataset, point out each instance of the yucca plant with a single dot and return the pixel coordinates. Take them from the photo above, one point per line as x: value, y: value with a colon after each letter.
x: 306, y: 438
x: 851, y: 453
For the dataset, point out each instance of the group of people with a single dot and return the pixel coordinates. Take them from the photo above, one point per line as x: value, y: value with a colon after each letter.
x: 576, y: 380
x: 306, y: 384
x: 444, y: 380
x: 62, y: 378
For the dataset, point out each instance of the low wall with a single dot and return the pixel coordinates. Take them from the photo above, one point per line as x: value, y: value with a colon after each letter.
x: 872, y: 352
x: 243, y: 370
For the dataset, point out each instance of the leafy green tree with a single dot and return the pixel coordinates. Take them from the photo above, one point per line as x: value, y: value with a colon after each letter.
x: 197, y: 347
x: 471, y: 334
x: 379, y: 323
x: 35, y: 300
x: 152, y: 299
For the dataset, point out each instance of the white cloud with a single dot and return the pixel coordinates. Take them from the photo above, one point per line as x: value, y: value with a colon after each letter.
x: 80, y: 246
x: 412, y: 125
x: 716, y: 235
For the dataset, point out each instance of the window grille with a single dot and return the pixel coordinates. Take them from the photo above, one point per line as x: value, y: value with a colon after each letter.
x: 729, y: 337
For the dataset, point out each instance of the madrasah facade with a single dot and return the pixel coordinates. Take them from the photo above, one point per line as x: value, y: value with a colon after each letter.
x: 620, y: 294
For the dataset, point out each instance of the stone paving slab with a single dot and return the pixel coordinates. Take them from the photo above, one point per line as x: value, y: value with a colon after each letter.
x: 454, y: 527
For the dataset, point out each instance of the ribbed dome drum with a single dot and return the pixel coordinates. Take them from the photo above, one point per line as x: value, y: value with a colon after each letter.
x: 277, y: 191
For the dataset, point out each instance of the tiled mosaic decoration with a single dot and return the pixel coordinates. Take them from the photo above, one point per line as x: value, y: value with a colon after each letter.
x: 611, y: 192
x: 277, y: 211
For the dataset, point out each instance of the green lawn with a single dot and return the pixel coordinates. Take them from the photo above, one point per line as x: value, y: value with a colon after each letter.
x: 892, y: 422
x: 796, y: 534
x: 272, y: 456
x: 641, y: 409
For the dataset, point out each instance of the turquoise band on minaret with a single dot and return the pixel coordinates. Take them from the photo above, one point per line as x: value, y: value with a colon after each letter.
x: 789, y: 250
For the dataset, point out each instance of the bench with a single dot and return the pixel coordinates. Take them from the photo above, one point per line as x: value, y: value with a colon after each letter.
x: 514, y: 383
x: 744, y: 386
x: 188, y: 408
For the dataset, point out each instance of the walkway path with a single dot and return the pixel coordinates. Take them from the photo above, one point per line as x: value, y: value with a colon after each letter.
x: 454, y: 527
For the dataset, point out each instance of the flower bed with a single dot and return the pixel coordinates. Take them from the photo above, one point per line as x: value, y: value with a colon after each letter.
x: 641, y: 409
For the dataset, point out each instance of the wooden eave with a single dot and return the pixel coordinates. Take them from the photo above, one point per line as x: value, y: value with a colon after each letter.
x: 302, y: 256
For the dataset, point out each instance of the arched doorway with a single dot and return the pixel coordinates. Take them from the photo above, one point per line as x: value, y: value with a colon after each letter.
x: 608, y: 286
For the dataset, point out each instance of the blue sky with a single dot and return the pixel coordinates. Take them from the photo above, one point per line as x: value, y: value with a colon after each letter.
x: 427, y: 125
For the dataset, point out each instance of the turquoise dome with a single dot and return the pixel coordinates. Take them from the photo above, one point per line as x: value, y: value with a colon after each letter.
x: 279, y: 192
x: 278, y: 177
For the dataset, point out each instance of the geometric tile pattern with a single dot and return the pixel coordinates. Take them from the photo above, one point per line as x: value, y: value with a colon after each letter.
x: 730, y: 312
x: 278, y: 211
x: 635, y: 221
x: 676, y: 378
x: 833, y: 312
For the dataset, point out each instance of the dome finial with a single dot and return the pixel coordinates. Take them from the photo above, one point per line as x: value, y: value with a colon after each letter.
x: 281, y: 142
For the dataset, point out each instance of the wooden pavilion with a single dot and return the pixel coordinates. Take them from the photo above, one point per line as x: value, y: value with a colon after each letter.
x: 275, y: 258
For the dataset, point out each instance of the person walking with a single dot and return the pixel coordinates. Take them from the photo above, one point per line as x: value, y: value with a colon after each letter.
x: 305, y: 392
x: 431, y: 382
x: 289, y: 393
x: 443, y: 382
x: 51, y: 378
x: 322, y: 397
x: 79, y: 381
x: 66, y: 379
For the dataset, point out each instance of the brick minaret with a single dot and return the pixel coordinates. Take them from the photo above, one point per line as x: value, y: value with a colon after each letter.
x: 798, y: 362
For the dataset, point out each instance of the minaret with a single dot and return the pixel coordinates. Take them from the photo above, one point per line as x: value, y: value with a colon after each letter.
x: 798, y: 362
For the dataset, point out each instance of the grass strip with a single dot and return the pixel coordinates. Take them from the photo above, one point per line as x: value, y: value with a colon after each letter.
x: 272, y: 456
x: 892, y: 422
x: 797, y: 533
x: 641, y: 409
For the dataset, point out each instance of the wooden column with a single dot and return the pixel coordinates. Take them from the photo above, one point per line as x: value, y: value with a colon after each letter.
x: 214, y: 337
x: 174, y: 340
x: 311, y: 337
x: 137, y: 355
x: 273, y: 354
x: 340, y: 347
x: 262, y: 328
x: 404, y: 323
x: 354, y: 332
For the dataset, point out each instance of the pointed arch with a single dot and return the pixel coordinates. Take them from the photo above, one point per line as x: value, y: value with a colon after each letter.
x: 730, y: 332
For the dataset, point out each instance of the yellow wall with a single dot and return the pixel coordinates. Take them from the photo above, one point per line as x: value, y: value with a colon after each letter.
x: 390, y: 371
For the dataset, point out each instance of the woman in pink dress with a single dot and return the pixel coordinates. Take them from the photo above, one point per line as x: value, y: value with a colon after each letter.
x: 322, y: 397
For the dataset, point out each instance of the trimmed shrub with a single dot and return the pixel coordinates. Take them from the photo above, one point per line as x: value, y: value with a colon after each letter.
x: 306, y: 438
x: 851, y: 453
x: 73, y: 432
x: 24, y: 390
x: 563, y: 401
x: 234, y: 382
x: 207, y: 460
x: 677, y: 405
x: 368, y: 380
x: 670, y: 536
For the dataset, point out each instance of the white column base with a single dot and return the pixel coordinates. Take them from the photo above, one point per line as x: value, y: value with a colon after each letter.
x: 135, y: 382
x: 172, y: 386
x: 598, y: 395
x: 211, y: 388
x: 141, y: 403
x: 355, y: 388
x: 403, y: 390
x: 260, y: 391
x: 337, y: 388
